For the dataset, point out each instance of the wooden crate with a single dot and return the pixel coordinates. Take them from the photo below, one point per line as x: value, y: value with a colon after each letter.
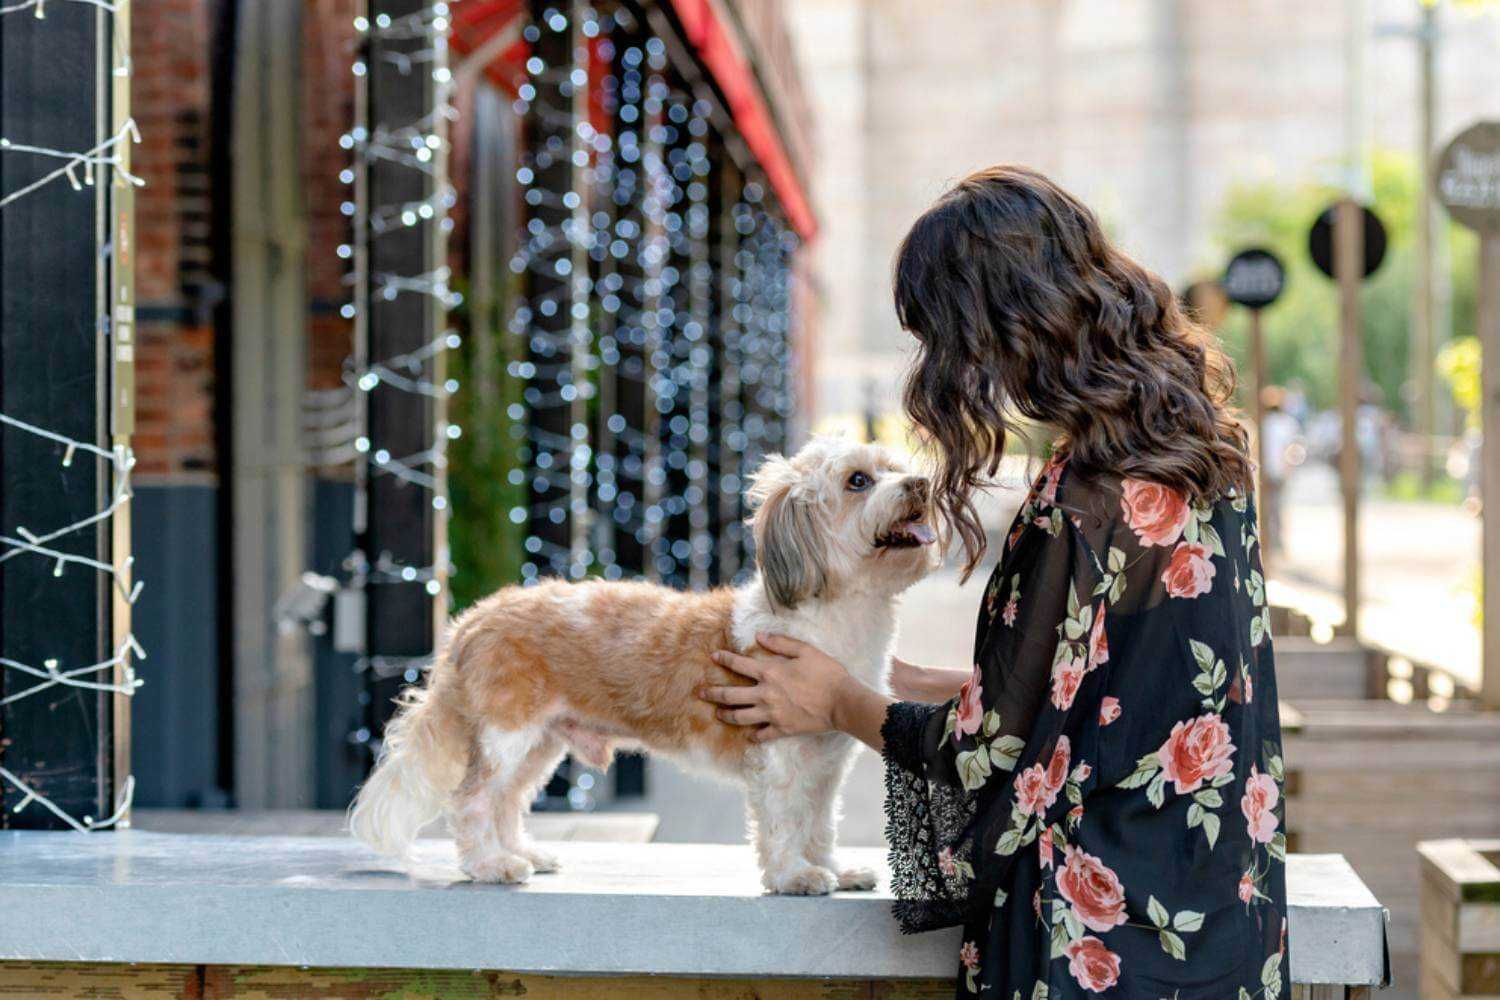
x: 1460, y: 919
x: 1373, y: 779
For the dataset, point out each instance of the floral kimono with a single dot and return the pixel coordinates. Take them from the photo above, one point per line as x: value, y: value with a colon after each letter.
x: 1101, y: 806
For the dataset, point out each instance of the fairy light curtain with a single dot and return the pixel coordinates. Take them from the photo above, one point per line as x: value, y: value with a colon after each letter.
x: 646, y: 369
x: 68, y: 660
x: 647, y: 268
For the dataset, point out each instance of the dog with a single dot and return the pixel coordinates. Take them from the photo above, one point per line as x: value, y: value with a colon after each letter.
x: 532, y: 673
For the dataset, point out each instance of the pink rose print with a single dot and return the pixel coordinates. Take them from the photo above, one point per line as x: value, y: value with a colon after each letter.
x: 1084, y: 771
x: 1094, y: 966
x: 945, y: 862
x: 1036, y: 902
x: 969, y: 955
x: 1191, y: 571
x: 1249, y: 688
x: 1247, y: 888
x: 1067, y: 674
x: 1051, y: 476
x: 970, y: 710
x: 1057, y: 768
x: 1098, y: 641
x: 1076, y: 814
x: 1008, y: 616
x: 1094, y: 891
x: 1157, y: 514
x: 1109, y: 710
x: 1198, y: 750
x: 1044, y: 847
x: 1258, y: 805
x: 1032, y: 795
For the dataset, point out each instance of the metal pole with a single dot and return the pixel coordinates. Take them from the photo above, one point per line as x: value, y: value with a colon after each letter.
x: 1488, y: 329
x: 1348, y: 260
x: 1258, y: 367
x: 120, y: 295
x: 1423, y: 318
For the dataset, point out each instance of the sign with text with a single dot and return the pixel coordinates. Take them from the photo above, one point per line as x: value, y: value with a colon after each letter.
x: 1254, y: 278
x: 1467, y: 180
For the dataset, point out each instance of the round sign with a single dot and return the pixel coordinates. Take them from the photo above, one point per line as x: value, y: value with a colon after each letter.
x: 1320, y: 241
x: 1467, y: 181
x: 1254, y: 278
x: 1204, y: 302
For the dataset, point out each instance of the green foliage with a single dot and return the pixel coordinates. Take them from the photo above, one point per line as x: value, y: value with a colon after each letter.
x: 486, y: 545
x: 1458, y: 363
x: 1302, y: 327
x: 1408, y: 486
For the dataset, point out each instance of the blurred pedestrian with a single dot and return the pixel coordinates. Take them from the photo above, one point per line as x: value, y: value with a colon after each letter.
x: 1280, y: 432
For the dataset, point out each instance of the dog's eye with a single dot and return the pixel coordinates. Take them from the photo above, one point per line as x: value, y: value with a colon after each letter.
x: 859, y: 482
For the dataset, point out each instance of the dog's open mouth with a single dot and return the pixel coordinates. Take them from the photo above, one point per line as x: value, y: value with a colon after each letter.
x: 908, y: 534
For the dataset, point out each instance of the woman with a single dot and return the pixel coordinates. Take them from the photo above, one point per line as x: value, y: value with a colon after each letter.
x: 1099, y: 804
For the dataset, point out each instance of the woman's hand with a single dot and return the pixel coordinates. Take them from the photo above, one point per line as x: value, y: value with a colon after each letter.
x: 798, y: 690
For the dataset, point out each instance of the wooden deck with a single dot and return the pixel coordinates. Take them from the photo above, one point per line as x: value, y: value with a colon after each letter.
x: 1370, y: 779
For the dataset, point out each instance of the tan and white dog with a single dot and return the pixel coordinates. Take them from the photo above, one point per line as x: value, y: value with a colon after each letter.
x: 531, y: 673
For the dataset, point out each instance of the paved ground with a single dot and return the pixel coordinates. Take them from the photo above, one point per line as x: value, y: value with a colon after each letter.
x: 1420, y: 566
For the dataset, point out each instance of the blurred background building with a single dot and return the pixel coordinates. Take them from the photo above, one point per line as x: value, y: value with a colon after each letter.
x: 1157, y: 113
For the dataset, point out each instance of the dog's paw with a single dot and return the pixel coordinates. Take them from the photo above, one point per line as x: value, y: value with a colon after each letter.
x: 860, y: 879
x: 542, y: 861
x: 507, y: 869
x: 809, y: 880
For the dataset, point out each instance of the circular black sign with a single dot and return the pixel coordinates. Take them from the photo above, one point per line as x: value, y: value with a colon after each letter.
x: 1320, y: 241
x: 1467, y: 181
x: 1254, y: 278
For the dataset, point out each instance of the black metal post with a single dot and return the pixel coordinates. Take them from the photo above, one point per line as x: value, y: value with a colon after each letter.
x: 56, y: 92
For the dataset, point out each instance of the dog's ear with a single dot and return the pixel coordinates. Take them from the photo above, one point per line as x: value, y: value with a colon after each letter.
x: 788, y: 545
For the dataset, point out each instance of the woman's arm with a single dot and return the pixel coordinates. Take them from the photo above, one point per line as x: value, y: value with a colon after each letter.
x: 797, y: 690
x: 934, y: 685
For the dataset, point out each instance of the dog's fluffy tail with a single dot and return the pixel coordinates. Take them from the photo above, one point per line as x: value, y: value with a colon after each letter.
x: 421, y: 762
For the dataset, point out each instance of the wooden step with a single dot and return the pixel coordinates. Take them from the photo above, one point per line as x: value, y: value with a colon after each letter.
x: 1340, y: 668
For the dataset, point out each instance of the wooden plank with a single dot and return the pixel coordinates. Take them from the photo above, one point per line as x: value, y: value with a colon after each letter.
x: 35, y: 980
x: 359, y: 984
x: 1463, y: 869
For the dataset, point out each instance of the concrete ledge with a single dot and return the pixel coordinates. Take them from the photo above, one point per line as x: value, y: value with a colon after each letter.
x: 616, y: 909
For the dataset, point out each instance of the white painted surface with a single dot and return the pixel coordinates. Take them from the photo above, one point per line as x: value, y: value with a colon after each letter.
x: 615, y: 908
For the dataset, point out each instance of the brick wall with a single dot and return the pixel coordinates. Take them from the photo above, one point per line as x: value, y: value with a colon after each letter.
x: 172, y: 48
x: 175, y: 357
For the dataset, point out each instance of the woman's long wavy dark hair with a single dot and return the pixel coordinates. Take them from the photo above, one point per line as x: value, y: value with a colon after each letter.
x: 1023, y: 307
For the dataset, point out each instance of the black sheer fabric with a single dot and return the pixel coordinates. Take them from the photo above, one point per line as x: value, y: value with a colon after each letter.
x: 1101, y: 806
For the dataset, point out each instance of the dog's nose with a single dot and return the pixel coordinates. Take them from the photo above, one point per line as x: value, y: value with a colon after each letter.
x: 918, y: 486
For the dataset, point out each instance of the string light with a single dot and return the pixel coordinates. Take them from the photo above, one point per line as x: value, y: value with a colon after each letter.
x: 81, y: 170
x: 101, y: 157
x: 419, y: 145
x: 40, y: 6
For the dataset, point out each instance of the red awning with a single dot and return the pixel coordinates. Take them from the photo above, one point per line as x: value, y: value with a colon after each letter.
x: 726, y: 61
